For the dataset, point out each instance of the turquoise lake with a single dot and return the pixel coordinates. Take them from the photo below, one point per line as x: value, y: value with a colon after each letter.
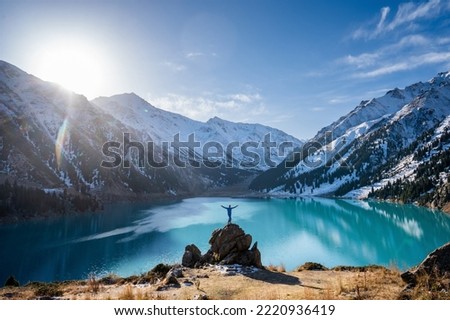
x: 130, y: 239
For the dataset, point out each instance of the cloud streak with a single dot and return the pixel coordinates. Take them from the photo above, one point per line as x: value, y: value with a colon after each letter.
x: 361, y: 61
x: 174, y: 67
x: 230, y: 106
x: 409, y: 48
x: 407, y: 14
x: 193, y: 55
x: 411, y: 63
x: 384, y: 13
x: 198, y: 54
x: 384, y: 60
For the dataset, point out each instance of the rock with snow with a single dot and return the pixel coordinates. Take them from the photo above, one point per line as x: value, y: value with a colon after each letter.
x: 176, y: 271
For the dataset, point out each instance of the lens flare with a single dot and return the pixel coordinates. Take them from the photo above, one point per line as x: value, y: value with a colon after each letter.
x: 60, y: 139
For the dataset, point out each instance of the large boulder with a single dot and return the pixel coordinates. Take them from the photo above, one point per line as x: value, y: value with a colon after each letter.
x: 435, y: 268
x: 191, y: 256
x: 229, y: 245
x: 12, y: 282
x: 250, y: 257
x: 228, y: 240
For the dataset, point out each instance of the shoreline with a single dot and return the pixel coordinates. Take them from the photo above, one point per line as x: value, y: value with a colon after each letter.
x: 233, y: 282
x: 217, y: 282
x: 159, y: 199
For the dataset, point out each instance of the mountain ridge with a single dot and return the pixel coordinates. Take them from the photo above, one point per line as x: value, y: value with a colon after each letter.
x: 55, y: 140
x: 359, y: 152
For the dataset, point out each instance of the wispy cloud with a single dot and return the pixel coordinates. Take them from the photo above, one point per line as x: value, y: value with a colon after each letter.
x: 246, y: 98
x: 383, y: 57
x: 192, y: 55
x: 407, y: 14
x: 376, y: 92
x: 384, y: 54
x: 370, y: 58
x: 198, y: 54
x: 174, y: 67
x: 384, y: 13
x: 411, y: 51
x: 362, y: 60
x: 231, y: 106
x: 401, y: 66
x: 410, y: 63
x: 279, y: 118
x: 410, y: 40
x: 444, y: 40
x: 341, y: 99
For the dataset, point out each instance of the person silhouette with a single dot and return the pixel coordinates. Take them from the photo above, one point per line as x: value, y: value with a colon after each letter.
x: 229, y: 210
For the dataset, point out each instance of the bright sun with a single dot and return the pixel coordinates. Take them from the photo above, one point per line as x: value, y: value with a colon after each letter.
x: 74, y: 65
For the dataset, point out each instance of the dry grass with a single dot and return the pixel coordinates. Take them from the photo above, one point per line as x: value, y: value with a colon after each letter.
x: 141, y: 295
x: 110, y: 279
x: 46, y: 290
x: 197, y: 284
x: 281, y: 268
x: 93, y: 284
x: 276, y: 268
x: 312, y: 266
x: 429, y: 288
x: 127, y: 293
x: 345, y: 283
x: 375, y: 284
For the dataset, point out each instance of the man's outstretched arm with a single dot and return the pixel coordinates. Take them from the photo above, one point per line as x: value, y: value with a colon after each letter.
x: 224, y: 207
x: 235, y: 206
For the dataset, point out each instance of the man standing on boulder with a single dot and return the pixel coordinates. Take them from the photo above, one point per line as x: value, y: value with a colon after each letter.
x: 229, y: 210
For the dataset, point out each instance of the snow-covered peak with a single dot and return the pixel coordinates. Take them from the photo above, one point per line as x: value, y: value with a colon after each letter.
x: 139, y: 114
x: 216, y: 120
x: 161, y: 125
x: 392, y: 102
x: 380, y: 141
x: 10, y: 71
x: 126, y: 99
x: 122, y: 105
x: 442, y: 77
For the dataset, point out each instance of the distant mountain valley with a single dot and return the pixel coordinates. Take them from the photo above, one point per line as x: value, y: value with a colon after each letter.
x: 60, y: 152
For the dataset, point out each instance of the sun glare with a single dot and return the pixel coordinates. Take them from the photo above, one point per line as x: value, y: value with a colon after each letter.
x: 76, y: 66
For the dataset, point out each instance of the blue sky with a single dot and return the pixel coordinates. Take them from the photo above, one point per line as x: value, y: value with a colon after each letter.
x: 295, y: 65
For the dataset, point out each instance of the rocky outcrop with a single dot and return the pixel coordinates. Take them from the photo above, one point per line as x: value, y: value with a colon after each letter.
x: 229, y: 245
x: 11, y: 282
x: 313, y: 266
x: 171, y: 278
x: 191, y: 256
x: 435, y: 269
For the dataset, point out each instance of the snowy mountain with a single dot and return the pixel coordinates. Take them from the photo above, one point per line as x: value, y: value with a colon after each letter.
x: 162, y: 126
x: 55, y: 140
x: 381, y: 141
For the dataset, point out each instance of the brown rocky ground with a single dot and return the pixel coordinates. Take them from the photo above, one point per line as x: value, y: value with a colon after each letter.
x: 212, y: 282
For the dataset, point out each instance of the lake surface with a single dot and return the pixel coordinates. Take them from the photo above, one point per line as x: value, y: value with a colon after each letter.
x: 131, y: 239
